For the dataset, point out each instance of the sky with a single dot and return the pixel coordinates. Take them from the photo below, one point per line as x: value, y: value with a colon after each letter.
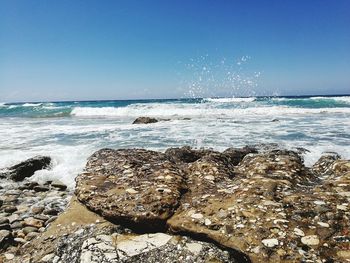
x: 86, y: 50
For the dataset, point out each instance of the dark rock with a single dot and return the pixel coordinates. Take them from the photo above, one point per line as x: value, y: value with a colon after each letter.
x: 27, y: 168
x: 5, y: 226
x: 237, y: 154
x: 136, y: 186
x: 4, y: 220
x: 10, y: 209
x: 48, y: 182
x: 58, y: 184
x: 41, y: 188
x: 28, y: 186
x: 52, y: 212
x: 185, y: 154
x: 6, y: 239
x: 144, y: 120
x: 1, y: 202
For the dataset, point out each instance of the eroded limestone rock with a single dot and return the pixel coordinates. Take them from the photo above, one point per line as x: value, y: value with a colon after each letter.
x: 131, y: 186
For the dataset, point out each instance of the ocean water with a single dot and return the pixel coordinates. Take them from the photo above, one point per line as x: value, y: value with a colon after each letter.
x: 70, y: 132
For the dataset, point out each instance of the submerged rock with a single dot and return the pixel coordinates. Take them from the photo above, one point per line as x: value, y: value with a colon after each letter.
x: 28, y: 167
x: 134, y: 186
x: 145, y: 120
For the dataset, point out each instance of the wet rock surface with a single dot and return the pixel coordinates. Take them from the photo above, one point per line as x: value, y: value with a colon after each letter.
x: 253, y: 204
x: 27, y: 168
x: 145, y: 120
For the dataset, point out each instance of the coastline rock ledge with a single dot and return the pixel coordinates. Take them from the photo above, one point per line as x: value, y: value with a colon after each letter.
x: 246, y: 204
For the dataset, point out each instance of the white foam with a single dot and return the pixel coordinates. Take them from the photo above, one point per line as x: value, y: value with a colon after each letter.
x: 31, y: 104
x: 195, y: 110
x: 345, y: 99
x: 230, y: 100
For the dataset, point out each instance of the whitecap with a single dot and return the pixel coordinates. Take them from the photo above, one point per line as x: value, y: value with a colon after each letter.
x: 31, y: 104
x: 230, y: 100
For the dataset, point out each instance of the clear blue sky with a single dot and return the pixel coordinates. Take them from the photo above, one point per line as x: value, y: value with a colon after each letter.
x: 62, y: 50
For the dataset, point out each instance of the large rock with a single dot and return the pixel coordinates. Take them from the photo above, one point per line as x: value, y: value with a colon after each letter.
x: 28, y: 167
x: 145, y: 120
x: 138, y: 187
x: 266, y: 208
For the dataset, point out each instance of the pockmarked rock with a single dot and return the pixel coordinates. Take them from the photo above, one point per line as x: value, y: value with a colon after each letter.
x: 134, y: 186
x: 269, y: 208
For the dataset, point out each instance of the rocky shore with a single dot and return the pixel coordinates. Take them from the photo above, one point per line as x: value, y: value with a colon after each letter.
x: 251, y: 204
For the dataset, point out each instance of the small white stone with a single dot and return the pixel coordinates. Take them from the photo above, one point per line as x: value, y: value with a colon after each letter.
x: 207, y: 222
x: 195, y: 248
x: 197, y: 216
x: 9, y: 256
x: 270, y: 242
x: 318, y: 202
x: 311, y: 240
x: 342, y: 207
x: 48, y: 257
x: 131, y: 191
x: 209, y: 177
x: 299, y: 232
x: 85, y: 257
x: 323, y: 224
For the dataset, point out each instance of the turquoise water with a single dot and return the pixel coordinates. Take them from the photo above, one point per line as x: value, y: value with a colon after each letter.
x: 66, y: 109
x: 71, y: 131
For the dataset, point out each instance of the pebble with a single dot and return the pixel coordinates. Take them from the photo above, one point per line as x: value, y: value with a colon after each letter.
x: 4, y: 220
x: 197, y: 216
x: 318, y: 202
x: 299, y: 232
x: 342, y: 207
x: 311, y: 240
x: 58, y: 184
x: 207, y: 222
x: 323, y: 224
x: 270, y: 242
x: 10, y: 209
x: 131, y: 191
x: 29, y: 229
x: 9, y: 256
x: 41, y: 188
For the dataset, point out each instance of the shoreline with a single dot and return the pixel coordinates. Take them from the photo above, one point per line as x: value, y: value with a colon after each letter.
x: 244, y: 204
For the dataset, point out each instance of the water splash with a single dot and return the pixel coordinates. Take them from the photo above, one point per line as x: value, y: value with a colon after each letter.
x: 210, y: 77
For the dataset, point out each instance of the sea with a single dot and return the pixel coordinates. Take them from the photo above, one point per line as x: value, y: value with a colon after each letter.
x: 70, y: 131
